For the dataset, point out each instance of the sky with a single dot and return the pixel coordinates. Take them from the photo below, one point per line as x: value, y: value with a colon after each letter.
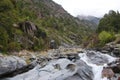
x: 89, y: 7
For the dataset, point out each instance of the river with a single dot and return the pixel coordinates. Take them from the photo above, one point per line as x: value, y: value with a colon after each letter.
x: 89, y: 67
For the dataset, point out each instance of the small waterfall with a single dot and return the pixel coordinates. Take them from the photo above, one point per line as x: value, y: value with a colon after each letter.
x: 97, y: 69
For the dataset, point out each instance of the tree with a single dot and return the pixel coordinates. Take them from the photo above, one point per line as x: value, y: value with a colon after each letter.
x: 110, y: 22
x: 105, y: 37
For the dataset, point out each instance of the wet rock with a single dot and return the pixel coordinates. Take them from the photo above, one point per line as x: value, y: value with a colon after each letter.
x: 74, y: 77
x: 16, y: 71
x: 73, y: 56
x: 116, y: 52
x: 55, y: 70
x: 96, y: 58
x: 115, y: 66
x: 11, y: 63
x: 107, y: 72
x: 84, y: 72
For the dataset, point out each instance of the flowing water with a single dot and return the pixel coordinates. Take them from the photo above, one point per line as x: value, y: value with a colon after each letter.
x: 97, y: 69
x: 96, y: 60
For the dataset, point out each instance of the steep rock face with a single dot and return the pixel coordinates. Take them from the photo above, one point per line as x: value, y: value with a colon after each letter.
x: 28, y: 28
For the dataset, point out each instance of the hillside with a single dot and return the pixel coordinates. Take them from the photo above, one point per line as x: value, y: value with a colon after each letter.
x: 32, y: 24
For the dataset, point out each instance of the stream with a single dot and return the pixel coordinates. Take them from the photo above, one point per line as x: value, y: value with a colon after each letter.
x: 97, y: 66
x: 88, y: 67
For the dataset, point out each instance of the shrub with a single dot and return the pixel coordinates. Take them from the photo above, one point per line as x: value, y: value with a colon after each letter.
x: 105, y: 37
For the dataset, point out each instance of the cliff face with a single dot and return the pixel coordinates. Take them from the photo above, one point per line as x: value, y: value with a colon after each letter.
x: 50, y: 21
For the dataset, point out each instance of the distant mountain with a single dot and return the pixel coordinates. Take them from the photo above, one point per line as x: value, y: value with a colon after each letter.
x: 91, y: 21
x: 89, y: 18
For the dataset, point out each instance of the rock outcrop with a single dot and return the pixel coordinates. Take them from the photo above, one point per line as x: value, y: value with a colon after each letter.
x: 84, y: 72
x: 96, y: 58
x: 54, y: 70
x: 10, y: 63
x: 28, y: 27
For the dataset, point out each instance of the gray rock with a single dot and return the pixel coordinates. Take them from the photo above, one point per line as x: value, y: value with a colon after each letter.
x: 84, y: 72
x: 115, y: 66
x: 53, y: 44
x: 10, y: 63
x: 28, y: 27
x: 96, y: 58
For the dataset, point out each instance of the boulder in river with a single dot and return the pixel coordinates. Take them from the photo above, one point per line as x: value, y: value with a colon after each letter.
x: 84, y: 72
x: 54, y: 70
x: 115, y: 66
x: 107, y: 72
x: 10, y: 63
x: 97, y: 58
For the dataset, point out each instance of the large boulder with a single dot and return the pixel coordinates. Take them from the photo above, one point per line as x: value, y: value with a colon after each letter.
x: 10, y: 63
x: 84, y: 72
x: 97, y: 58
x: 115, y: 66
x: 54, y: 70
x: 107, y: 72
x: 28, y: 27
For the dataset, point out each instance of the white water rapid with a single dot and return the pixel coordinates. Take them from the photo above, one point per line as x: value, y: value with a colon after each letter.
x: 97, y: 69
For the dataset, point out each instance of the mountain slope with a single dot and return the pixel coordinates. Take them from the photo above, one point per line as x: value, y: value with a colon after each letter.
x: 32, y: 24
x: 91, y: 21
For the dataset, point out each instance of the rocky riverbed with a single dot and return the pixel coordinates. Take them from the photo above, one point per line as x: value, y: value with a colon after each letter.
x: 60, y: 64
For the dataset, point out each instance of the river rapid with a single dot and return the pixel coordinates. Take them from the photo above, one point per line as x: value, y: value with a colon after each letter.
x: 88, y: 67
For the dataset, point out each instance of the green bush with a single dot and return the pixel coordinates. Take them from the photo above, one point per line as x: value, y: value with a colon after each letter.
x: 105, y: 37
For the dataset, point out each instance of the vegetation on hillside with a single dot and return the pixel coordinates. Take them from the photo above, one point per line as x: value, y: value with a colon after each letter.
x: 50, y: 19
x: 106, y: 32
x: 110, y: 22
x: 109, y: 26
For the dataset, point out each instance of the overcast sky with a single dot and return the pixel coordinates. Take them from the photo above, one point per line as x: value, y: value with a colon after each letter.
x: 89, y: 7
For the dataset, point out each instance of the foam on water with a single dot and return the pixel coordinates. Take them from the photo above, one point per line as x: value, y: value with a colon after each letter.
x: 97, y: 69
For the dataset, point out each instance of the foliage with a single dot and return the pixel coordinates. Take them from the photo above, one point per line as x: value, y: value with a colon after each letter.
x: 5, y: 5
x: 110, y: 22
x: 3, y: 39
x: 51, y: 20
x: 14, y: 46
x: 105, y: 37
